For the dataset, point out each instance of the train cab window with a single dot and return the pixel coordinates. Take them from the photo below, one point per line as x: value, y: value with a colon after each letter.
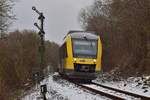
x: 85, y: 48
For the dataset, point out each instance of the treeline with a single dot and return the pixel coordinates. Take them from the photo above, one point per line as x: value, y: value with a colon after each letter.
x: 124, y: 27
x: 19, y: 56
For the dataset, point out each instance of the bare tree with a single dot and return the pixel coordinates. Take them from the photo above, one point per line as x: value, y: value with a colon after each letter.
x: 6, y: 14
x: 124, y: 27
x: 20, y: 53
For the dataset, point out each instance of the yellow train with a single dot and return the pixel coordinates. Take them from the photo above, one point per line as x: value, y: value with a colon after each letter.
x: 80, y: 55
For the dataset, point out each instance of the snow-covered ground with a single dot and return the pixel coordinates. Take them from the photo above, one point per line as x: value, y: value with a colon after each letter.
x: 59, y: 89
x: 108, y: 91
x: 132, y: 84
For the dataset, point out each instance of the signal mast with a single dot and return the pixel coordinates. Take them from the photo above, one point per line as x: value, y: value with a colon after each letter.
x: 42, y: 44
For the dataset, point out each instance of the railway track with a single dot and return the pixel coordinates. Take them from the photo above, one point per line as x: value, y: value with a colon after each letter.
x: 141, y: 97
x: 110, y: 92
x: 101, y: 92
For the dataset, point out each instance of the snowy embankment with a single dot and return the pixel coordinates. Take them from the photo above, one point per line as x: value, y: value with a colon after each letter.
x: 63, y: 90
x: 137, y: 85
x: 59, y: 89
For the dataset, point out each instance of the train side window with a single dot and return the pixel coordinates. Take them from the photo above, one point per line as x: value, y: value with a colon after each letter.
x: 64, y: 51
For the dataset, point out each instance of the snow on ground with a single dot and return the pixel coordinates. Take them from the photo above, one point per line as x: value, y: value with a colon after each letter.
x: 118, y: 94
x: 132, y: 84
x: 59, y: 89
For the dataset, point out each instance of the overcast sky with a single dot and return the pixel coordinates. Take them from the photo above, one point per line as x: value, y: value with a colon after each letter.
x: 61, y: 16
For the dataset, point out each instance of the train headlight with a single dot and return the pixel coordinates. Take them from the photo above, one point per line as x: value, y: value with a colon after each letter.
x: 94, y: 60
x: 75, y: 59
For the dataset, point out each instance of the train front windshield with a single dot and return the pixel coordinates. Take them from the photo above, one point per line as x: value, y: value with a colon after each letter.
x: 85, y: 48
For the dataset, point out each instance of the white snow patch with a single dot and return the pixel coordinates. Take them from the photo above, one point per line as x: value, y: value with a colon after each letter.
x: 63, y: 90
x: 127, y: 85
x: 121, y: 95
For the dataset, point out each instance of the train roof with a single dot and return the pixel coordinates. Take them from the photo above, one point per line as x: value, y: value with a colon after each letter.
x: 83, y: 34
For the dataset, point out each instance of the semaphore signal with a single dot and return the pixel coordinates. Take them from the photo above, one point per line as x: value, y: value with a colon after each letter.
x: 42, y: 44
